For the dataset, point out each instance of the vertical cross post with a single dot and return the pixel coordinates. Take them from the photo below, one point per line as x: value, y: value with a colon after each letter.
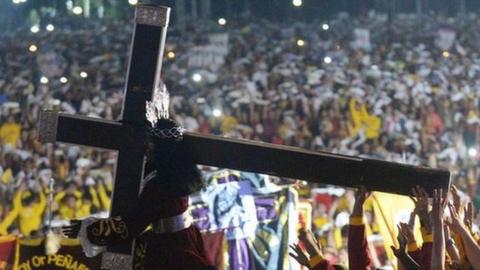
x: 143, y: 75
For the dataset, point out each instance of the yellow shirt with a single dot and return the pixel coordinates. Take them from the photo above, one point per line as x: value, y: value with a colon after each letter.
x: 64, y: 210
x: 84, y: 211
x: 6, y: 176
x: 10, y: 133
x: 30, y: 218
x: 320, y: 221
x: 228, y: 123
x: 67, y: 213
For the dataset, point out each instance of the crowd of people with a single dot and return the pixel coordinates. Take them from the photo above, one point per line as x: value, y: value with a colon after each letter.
x: 403, y: 98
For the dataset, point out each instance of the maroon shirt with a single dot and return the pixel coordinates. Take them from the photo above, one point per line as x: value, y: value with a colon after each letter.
x: 358, y: 256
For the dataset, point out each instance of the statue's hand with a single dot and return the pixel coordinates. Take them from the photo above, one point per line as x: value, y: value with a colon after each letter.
x: 73, y: 229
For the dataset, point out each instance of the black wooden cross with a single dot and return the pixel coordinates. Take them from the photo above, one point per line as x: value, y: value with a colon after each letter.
x: 143, y: 74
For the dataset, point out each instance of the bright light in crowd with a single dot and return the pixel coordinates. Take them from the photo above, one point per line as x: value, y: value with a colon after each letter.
x: 297, y: 3
x: 445, y: 54
x: 472, y: 152
x: 325, y: 26
x: 133, y: 2
x: 170, y: 55
x: 44, y: 80
x: 50, y: 27
x: 63, y: 80
x: 196, y: 77
x: 35, y: 29
x: 222, y: 21
x: 18, y: 1
x: 69, y: 4
x: 217, y: 112
x: 300, y: 43
x: 77, y: 10
x: 33, y: 48
x: 327, y: 59
x: 83, y: 74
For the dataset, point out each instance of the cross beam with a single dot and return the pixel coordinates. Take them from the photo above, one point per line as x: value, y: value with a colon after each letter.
x: 253, y: 156
x: 314, y: 167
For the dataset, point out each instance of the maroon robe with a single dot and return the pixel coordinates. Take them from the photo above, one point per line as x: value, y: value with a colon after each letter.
x: 176, y: 250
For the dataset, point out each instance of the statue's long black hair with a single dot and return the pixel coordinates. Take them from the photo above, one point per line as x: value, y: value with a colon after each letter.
x: 177, y: 173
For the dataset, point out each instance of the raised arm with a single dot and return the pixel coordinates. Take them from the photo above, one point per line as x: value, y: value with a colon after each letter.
x: 452, y: 250
x: 423, y: 255
x: 405, y: 261
x: 472, y: 249
x: 438, y: 248
x: 358, y: 256
x: 12, y: 215
x: 42, y: 199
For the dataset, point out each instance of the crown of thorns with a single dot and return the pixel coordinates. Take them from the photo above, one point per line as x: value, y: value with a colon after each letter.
x: 157, y: 108
x: 168, y: 133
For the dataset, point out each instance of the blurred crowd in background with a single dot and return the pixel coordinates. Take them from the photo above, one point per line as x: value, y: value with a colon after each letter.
x: 392, y: 91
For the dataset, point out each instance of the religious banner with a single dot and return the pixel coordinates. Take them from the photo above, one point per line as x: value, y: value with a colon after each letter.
x: 277, y: 228
x: 445, y: 38
x: 70, y: 256
x: 8, y: 252
x: 226, y: 204
x: 258, y: 241
x: 361, y: 38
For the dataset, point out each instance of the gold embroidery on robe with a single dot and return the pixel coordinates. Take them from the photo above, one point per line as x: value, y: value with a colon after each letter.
x: 106, y: 228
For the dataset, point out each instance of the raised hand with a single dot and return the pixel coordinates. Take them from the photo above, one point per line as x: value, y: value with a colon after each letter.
x: 311, y: 244
x: 407, y: 232
x: 73, y: 229
x: 438, y: 205
x: 420, y: 198
x: 455, y: 223
x: 299, y: 255
x: 452, y: 250
x: 457, y: 202
x: 402, y: 242
x: 438, y: 248
x: 468, y: 218
x: 360, y: 197
x: 472, y: 249
x: 401, y: 252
